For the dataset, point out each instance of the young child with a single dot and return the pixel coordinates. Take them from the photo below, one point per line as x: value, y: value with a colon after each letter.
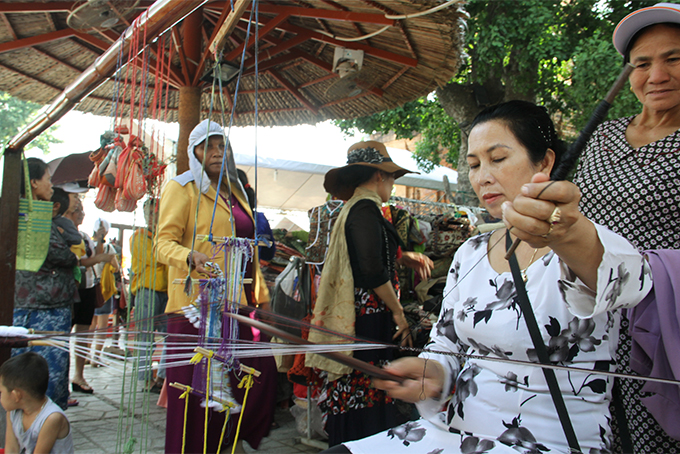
x: 35, y: 424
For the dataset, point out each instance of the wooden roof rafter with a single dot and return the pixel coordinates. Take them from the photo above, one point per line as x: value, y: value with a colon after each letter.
x: 328, y: 14
x: 300, y: 32
x: 262, y: 34
x: 400, y: 24
x: 175, y: 77
x: 294, y: 91
x: 206, y: 52
x: 357, y: 27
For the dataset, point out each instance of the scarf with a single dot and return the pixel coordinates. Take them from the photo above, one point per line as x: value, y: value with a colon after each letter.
x: 334, y: 308
x: 202, y: 132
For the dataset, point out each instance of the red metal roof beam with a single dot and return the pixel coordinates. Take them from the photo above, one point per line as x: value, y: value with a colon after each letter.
x: 160, y: 16
x: 264, y: 31
x: 50, y: 7
x: 35, y: 40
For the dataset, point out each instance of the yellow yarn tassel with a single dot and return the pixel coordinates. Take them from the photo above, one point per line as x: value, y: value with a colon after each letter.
x: 224, y: 428
x: 207, y: 408
x: 185, y: 396
x: 247, y: 382
x: 196, y: 358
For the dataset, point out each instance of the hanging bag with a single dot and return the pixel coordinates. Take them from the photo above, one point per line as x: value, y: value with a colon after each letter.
x: 290, y: 296
x: 99, y: 300
x: 35, y: 227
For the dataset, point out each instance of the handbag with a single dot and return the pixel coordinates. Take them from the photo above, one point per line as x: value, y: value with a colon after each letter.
x: 290, y: 297
x: 35, y: 228
x: 448, y: 234
x: 99, y: 300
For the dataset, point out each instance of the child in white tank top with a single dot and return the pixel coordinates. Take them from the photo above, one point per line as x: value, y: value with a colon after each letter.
x: 34, y: 422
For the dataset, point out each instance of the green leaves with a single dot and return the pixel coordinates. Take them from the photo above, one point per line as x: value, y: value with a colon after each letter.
x: 423, y: 116
x: 554, y: 52
x: 14, y: 115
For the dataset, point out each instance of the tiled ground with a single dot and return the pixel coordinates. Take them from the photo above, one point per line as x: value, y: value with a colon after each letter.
x: 95, y: 421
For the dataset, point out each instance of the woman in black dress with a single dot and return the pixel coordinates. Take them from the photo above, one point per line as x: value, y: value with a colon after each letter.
x: 359, y: 290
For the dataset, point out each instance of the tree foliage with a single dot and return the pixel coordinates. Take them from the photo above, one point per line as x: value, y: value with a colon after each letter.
x: 555, y: 52
x: 423, y: 116
x: 14, y: 115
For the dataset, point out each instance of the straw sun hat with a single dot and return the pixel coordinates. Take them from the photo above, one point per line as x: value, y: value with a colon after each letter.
x: 367, y: 154
x: 637, y: 20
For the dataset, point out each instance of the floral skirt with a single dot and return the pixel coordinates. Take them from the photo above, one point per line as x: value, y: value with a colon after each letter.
x: 58, y: 360
x: 354, y: 408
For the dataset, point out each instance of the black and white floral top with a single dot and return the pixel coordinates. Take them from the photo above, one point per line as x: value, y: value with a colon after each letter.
x: 501, y: 407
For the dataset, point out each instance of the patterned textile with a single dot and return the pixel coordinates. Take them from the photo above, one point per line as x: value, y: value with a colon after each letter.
x: 321, y: 220
x: 636, y: 193
x: 499, y: 407
x: 53, y: 285
x: 58, y: 319
x: 353, y: 391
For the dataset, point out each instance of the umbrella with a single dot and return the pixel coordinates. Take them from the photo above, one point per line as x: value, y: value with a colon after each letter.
x: 73, y: 168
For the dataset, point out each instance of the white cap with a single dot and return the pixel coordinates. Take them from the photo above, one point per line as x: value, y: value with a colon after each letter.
x: 99, y: 222
x: 637, y: 20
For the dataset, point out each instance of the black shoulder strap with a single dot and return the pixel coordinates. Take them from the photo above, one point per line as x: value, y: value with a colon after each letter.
x: 541, y: 351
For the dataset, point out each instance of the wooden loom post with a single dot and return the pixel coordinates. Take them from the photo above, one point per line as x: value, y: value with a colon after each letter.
x: 189, y: 108
x: 9, y: 225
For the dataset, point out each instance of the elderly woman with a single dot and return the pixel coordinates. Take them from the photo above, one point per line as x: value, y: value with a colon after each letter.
x: 577, y: 276
x: 43, y: 300
x: 359, y: 290
x: 629, y: 180
x: 180, y: 218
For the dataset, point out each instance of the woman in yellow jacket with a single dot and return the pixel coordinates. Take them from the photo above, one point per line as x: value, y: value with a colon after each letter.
x: 178, y: 223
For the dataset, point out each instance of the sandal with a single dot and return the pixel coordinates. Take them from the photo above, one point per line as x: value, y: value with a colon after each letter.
x: 72, y: 403
x: 82, y: 388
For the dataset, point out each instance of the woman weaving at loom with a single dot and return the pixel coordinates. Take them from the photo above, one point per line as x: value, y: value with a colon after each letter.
x: 359, y: 290
x: 629, y: 176
x: 178, y: 223
x: 577, y: 275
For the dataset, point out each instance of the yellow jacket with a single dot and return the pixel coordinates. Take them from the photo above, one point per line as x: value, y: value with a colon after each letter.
x: 147, y: 271
x: 175, y: 233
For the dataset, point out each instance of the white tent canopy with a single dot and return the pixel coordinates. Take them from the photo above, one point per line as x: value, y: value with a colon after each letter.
x: 294, y: 185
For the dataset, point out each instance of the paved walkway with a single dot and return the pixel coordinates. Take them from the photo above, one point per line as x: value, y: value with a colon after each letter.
x: 95, y: 421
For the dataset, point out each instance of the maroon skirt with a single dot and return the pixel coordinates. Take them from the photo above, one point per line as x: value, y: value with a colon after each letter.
x: 258, y: 413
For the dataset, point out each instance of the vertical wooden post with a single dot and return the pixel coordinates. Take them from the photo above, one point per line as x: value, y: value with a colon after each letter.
x: 189, y: 108
x: 188, y: 115
x: 9, y: 226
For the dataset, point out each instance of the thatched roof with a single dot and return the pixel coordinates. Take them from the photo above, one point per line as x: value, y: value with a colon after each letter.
x: 40, y: 54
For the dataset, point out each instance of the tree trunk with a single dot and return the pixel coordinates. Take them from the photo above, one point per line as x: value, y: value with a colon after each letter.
x: 459, y: 101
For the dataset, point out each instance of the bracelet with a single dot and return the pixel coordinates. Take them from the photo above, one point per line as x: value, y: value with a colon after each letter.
x: 190, y: 262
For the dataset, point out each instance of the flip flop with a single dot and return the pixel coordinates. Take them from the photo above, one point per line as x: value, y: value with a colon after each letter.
x: 82, y: 388
x: 72, y: 403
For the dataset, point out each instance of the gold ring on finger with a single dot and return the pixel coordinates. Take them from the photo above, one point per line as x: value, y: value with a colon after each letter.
x: 550, y: 229
x: 554, y: 218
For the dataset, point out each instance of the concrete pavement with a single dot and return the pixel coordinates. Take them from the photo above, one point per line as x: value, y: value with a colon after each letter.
x: 95, y: 421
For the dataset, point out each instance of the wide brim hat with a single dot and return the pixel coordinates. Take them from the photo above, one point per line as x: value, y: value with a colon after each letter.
x: 368, y: 154
x: 637, y: 20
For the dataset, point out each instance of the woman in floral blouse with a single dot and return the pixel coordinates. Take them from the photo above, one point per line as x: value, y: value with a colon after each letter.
x: 578, y: 274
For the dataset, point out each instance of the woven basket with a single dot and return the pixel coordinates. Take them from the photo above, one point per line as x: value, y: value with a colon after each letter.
x: 35, y: 227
